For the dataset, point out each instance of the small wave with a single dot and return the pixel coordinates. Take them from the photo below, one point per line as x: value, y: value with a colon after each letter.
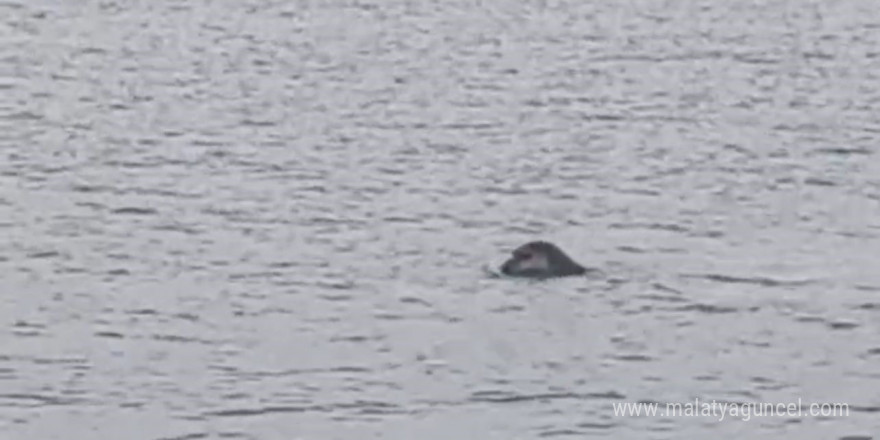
x: 760, y: 281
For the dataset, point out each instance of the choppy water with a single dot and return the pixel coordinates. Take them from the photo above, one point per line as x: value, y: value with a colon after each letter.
x: 271, y: 220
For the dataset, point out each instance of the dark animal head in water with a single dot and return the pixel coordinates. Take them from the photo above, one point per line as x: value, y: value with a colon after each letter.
x: 540, y: 259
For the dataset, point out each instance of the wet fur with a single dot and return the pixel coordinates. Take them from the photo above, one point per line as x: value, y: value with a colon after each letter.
x: 540, y: 259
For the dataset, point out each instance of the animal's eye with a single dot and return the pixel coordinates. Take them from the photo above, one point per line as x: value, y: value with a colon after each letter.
x: 525, y: 256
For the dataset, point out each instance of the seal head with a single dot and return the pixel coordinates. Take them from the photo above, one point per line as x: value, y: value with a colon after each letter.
x: 540, y: 259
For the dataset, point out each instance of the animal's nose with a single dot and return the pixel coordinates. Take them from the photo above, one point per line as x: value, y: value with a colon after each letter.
x: 505, y: 268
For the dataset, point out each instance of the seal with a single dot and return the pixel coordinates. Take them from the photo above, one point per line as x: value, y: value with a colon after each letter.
x: 540, y: 259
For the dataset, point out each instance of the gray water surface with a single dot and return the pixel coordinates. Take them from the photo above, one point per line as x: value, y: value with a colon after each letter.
x: 273, y: 220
